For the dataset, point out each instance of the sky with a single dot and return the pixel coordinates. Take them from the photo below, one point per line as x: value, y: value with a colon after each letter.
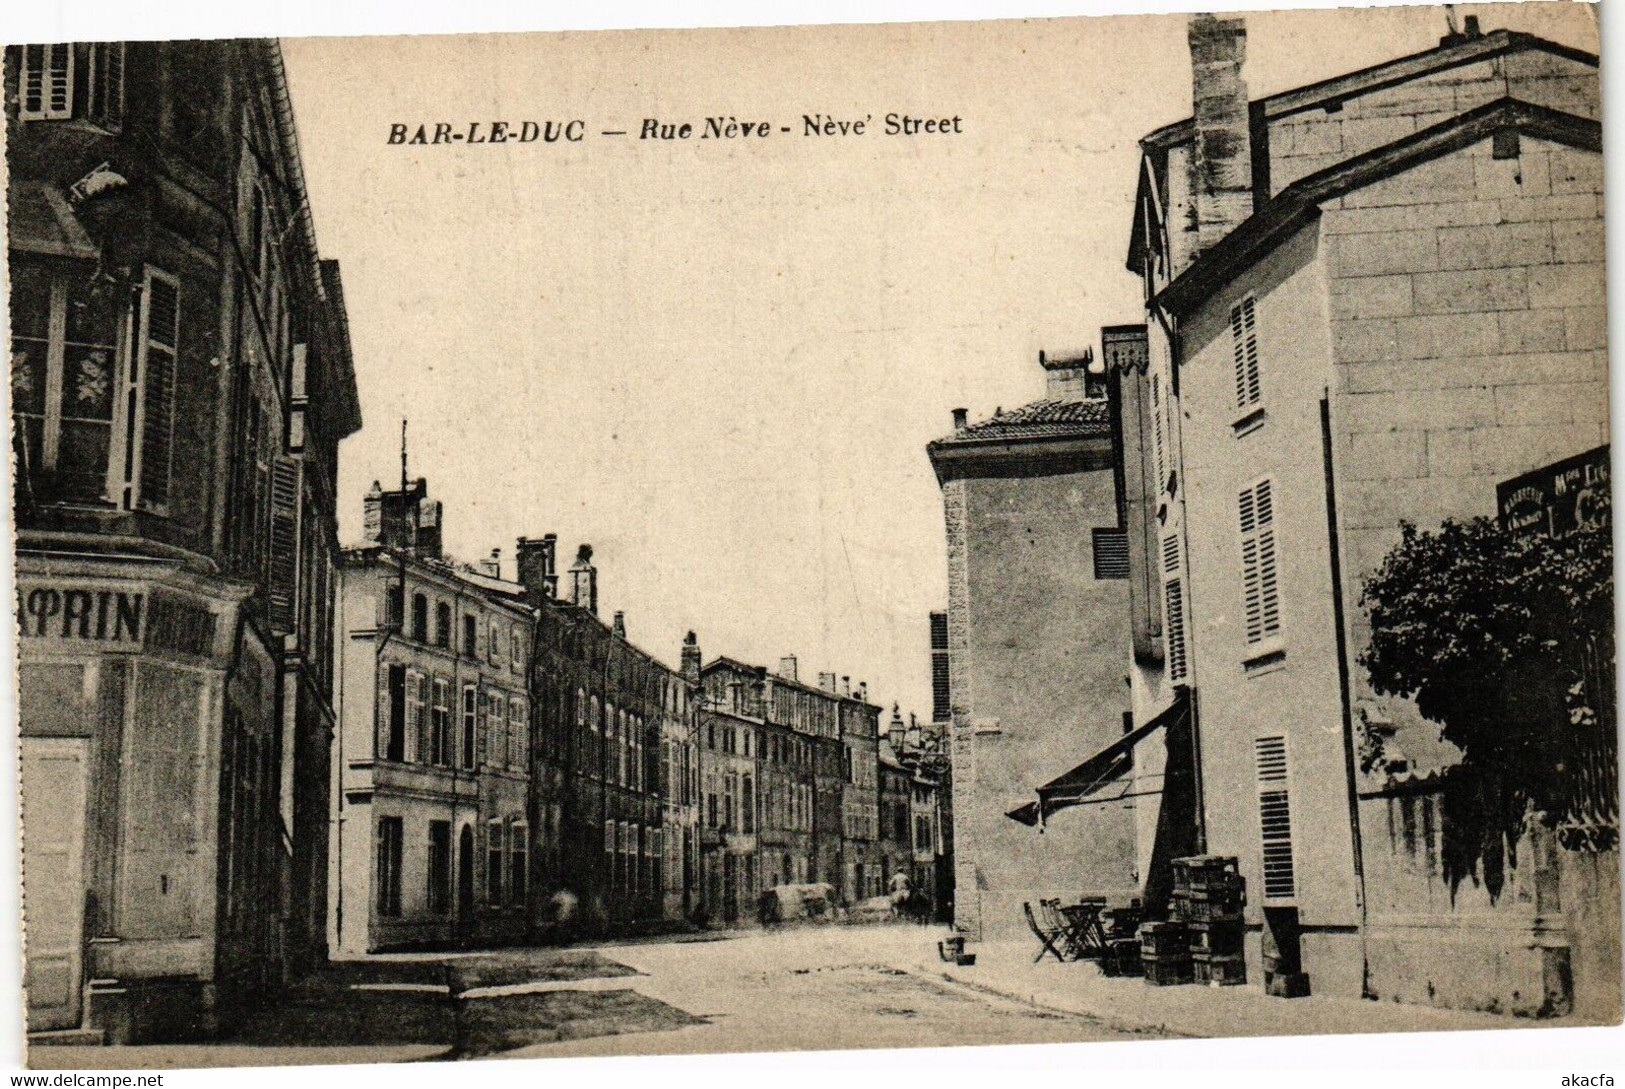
x: 719, y: 362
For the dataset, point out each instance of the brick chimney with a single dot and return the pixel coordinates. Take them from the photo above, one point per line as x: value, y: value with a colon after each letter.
x: 620, y: 625
x: 408, y: 520
x: 1223, y: 164
x: 536, y: 560
x: 787, y: 667
x: 691, y: 658
x: 584, y: 580
x: 894, y: 730
x: 1074, y: 377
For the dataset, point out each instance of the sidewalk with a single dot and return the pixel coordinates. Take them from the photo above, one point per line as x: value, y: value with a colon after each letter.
x: 1007, y: 968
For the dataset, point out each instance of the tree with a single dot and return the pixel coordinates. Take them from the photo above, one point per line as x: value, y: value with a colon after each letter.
x: 1507, y: 642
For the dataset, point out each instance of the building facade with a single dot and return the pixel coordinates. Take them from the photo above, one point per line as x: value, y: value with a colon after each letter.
x: 729, y: 877
x: 181, y: 379
x: 1370, y: 300
x: 1036, y: 588
x: 433, y: 841
x: 615, y: 724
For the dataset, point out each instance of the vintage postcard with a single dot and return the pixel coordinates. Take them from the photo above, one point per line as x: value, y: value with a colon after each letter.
x: 649, y: 542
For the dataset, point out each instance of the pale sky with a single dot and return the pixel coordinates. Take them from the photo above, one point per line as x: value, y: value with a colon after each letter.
x: 719, y: 363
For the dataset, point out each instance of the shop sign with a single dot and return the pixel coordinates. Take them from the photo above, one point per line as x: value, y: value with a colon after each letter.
x: 1557, y: 499
x: 100, y: 616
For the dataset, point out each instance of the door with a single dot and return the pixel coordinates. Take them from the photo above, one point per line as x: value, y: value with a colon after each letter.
x: 53, y: 797
x: 465, y: 881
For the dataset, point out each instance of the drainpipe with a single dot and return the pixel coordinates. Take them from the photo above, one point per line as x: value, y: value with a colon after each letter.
x: 1345, y: 689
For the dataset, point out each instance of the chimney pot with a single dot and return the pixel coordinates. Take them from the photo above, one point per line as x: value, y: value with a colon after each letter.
x: 620, y: 624
x: 584, y: 580
x: 961, y: 419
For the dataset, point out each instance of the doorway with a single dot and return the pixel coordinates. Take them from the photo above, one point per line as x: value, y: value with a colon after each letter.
x: 53, y: 797
x: 465, y: 882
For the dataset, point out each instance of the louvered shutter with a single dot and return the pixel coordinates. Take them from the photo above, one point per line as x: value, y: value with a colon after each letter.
x: 160, y: 337
x: 1244, y: 345
x: 381, y: 749
x: 286, y: 474
x: 1261, y: 595
x: 47, y: 83
x: 481, y: 727
x: 1173, y: 597
x: 1275, y: 819
x: 414, y: 714
x: 104, y: 90
x: 1158, y: 436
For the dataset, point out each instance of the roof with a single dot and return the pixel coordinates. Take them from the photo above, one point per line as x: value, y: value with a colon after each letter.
x: 722, y: 661
x: 1442, y: 57
x: 1329, y: 93
x: 1040, y: 419
x: 1300, y: 202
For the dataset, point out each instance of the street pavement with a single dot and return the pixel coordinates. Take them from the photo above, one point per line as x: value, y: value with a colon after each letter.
x: 810, y: 988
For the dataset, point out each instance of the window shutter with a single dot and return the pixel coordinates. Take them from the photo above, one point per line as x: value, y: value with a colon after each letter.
x: 381, y: 748
x: 482, y: 725
x: 1260, y: 577
x: 1244, y: 343
x: 1110, y: 555
x: 160, y: 337
x: 47, y: 82
x: 104, y: 103
x: 1159, y: 438
x: 1173, y: 597
x: 414, y: 714
x: 1275, y: 819
x: 286, y: 474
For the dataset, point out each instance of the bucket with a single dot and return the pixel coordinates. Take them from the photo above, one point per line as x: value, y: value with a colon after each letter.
x: 951, y: 948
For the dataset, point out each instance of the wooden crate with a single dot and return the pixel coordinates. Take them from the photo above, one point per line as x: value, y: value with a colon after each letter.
x: 1161, y: 972
x: 1219, y: 971
x: 1217, y: 939
x: 1164, y: 939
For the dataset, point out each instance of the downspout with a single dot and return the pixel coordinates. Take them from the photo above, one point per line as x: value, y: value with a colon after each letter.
x: 1345, y: 690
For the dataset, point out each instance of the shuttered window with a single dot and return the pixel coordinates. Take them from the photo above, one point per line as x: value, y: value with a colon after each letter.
x: 1110, y: 553
x: 493, y: 862
x: 1173, y: 600
x: 416, y: 704
x: 388, y: 867
x: 283, y: 561
x: 149, y: 419
x: 104, y: 89
x: 1275, y: 819
x: 1159, y: 439
x: 518, y: 861
x: 518, y: 734
x: 394, y: 703
x: 47, y: 83
x: 496, y: 719
x: 1260, y: 579
x: 1244, y: 345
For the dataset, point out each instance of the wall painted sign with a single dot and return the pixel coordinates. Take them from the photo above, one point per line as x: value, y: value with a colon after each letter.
x: 1558, y: 498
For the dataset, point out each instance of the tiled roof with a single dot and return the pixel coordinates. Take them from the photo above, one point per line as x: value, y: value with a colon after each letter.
x: 1041, y: 419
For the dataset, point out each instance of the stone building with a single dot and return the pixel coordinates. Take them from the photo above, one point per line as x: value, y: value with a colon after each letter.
x: 1036, y: 619
x: 1370, y: 300
x: 785, y: 785
x: 614, y: 724
x: 181, y: 379
x: 434, y: 826
x: 896, y: 814
x: 729, y: 876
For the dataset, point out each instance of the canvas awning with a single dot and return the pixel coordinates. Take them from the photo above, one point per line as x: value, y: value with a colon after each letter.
x: 1098, y: 780
x: 43, y: 222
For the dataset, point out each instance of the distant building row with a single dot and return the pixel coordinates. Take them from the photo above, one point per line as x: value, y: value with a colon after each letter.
x: 508, y: 767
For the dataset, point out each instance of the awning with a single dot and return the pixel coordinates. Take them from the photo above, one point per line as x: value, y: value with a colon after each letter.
x: 43, y: 222
x: 1088, y: 782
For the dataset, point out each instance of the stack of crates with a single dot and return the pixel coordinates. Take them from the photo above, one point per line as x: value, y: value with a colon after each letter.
x: 1209, y: 895
x: 1165, y: 953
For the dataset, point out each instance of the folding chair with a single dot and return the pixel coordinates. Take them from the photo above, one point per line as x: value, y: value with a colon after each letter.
x: 1046, y: 935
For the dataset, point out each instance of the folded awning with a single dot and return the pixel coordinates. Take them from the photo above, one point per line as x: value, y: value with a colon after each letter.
x: 1099, y: 779
x: 43, y: 222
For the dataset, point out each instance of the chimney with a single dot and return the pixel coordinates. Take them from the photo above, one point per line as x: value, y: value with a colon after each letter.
x: 894, y: 730
x: 620, y: 625
x: 787, y: 667
x: 736, y: 695
x: 961, y: 419
x: 428, y: 542
x: 535, y: 562
x: 915, y: 738
x: 691, y: 658
x: 584, y: 580
x: 493, y: 565
x: 372, y: 514
x: 1223, y: 181
x: 846, y: 686
x: 826, y: 681
x: 863, y: 690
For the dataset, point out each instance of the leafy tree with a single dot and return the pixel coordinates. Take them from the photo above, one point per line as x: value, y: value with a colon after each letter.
x: 1507, y: 642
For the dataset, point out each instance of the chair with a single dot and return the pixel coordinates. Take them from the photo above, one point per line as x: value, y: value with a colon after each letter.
x: 1047, y: 935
